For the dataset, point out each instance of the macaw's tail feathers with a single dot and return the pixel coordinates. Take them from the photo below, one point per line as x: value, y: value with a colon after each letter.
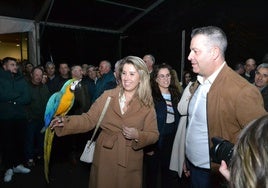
x: 49, y: 135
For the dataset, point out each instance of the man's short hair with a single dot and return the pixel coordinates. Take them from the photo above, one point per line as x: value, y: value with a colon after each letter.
x: 6, y: 59
x: 49, y: 63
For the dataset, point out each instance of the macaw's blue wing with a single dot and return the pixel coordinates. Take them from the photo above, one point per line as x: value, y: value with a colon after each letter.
x: 51, y: 108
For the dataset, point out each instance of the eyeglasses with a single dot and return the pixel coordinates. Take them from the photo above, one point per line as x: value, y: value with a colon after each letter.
x: 162, y: 76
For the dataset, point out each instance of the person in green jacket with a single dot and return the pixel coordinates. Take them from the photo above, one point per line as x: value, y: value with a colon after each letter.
x: 14, y: 96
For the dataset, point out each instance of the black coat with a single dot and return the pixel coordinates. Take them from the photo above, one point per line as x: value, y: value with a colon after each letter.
x: 264, y: 93
x: 161, y: 114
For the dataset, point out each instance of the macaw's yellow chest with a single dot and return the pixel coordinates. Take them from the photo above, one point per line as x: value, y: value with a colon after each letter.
x: 66, y: 102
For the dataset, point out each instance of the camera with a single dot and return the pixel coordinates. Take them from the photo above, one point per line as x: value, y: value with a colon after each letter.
x: 221, y: 150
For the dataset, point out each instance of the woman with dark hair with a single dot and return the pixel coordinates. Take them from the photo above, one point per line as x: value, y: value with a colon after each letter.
x: 187, y: 77
x: 166, y: 96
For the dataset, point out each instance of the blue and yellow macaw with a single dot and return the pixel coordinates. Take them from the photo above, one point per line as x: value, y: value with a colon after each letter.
x: 58, y: 105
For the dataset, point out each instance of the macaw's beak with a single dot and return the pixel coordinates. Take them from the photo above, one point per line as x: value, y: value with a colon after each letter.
x: 75, y: 85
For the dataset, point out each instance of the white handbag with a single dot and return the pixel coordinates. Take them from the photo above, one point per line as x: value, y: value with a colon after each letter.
x: 88, y: 153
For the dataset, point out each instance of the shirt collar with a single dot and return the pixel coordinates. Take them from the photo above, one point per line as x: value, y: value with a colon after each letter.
x: 212, y: 77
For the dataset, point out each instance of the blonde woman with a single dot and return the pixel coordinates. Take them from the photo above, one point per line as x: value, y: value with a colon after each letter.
x: 128, y: 126
x: 249, y: 164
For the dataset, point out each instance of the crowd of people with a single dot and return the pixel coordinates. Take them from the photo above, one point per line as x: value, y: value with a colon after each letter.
x: 157, y: 131
x: 26, y: 90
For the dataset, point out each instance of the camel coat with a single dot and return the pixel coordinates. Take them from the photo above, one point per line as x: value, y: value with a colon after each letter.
x: 117, y: 161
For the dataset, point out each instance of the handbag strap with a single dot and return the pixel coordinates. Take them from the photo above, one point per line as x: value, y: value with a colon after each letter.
x: 101, y: 117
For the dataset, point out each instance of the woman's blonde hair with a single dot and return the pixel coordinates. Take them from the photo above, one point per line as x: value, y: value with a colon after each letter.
x: 144, y: 89
x: 249, y: 164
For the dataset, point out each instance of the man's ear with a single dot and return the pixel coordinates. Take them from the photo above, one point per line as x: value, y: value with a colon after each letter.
x: 5, y: 66
x: 215, y: 52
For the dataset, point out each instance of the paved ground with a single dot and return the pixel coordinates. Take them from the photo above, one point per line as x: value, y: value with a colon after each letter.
x: 62, y: 174
x: 65, y: 174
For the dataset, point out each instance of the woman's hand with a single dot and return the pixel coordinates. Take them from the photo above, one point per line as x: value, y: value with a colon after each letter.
x: 224, y: 170
x: 130, y: 133
x: 56, y: 122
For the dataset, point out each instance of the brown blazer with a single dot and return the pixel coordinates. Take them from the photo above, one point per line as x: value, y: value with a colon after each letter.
x: 117, y: 162
x: 232, y: 102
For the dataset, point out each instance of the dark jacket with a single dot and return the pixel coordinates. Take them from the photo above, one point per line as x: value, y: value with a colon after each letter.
x: 56, y: 84
x: 264, y: 93
x: 39, y: 97
x: 91, y: 87
x: 106, y: 82
x: 14, y: 95
x: 82, y: 99
x: 161, y: 114
x: 51, y: 85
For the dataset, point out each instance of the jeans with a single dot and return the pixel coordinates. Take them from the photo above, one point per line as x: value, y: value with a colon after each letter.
x: 12, y: 137
x: 200, y: 177
x: 34, y: 139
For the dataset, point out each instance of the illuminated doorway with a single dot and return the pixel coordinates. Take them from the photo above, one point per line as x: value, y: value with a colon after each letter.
x: 14, y: 45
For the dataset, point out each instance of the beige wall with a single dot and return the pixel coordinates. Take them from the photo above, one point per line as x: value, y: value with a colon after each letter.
x: 11, y: 50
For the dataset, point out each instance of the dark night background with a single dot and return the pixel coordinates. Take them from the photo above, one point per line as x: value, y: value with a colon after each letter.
x: 158, y: 31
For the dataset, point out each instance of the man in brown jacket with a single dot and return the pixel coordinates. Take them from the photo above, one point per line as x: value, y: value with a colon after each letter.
x: 222, y: 104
